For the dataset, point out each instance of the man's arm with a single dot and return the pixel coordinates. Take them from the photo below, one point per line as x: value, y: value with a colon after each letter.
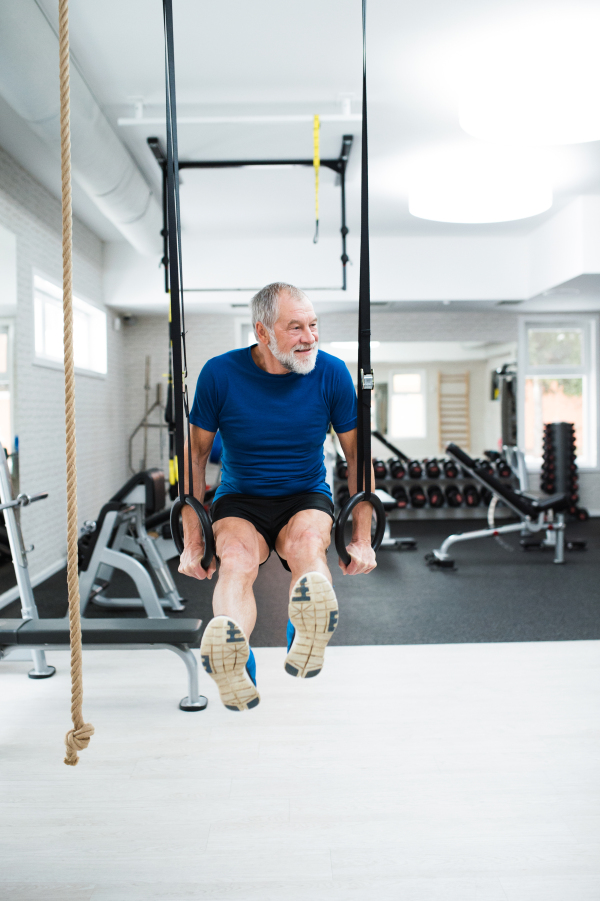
x: 201, y: 442
x: 363, y: 555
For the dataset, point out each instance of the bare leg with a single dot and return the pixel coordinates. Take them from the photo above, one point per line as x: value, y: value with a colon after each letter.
x: 303, y: 542
x: 240, y: 549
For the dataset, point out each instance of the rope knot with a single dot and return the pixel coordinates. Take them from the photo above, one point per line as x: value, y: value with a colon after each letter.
x: 77, y: 740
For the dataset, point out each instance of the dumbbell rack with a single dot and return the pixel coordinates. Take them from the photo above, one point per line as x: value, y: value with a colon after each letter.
x: 432, y: 513
x: 559, y: 467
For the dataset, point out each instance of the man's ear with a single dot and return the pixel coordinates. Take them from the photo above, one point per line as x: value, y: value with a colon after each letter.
x: 262, y: 333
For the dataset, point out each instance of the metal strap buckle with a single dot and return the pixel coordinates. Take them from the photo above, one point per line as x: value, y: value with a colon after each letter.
x: 368, y: 380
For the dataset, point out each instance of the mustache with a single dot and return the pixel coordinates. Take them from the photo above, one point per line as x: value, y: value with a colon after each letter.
x: 305, y: 346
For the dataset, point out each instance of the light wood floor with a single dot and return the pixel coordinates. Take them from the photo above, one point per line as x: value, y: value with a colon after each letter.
x: 420, y: 773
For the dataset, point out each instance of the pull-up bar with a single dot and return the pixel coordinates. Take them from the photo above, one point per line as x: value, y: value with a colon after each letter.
x: 336, y: 165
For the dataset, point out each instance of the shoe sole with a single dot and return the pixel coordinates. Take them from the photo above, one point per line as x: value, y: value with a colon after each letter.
x: 224, y: 652
x: 313, y: 612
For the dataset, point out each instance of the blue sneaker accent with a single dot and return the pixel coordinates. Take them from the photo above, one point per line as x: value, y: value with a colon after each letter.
x: 251, y: 666
x: 290, y: 634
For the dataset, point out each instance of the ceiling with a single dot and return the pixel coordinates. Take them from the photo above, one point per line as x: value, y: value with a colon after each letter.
x: 236, y: 57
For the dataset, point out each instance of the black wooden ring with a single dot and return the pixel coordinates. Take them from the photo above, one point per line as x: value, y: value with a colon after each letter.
x: 205, y: 525
x: 340, y: 543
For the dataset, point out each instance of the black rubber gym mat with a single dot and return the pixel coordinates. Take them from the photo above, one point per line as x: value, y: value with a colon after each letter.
x: 494, y: 595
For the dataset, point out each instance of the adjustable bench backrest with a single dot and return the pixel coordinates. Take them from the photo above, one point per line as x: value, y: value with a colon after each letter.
x: 146, y: 487
x: 522, y: 505
x: 153, y: 482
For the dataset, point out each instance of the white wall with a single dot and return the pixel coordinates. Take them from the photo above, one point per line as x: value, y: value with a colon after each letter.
x: 482, y: 437
x: 446, y: 325
x: 33, y: 216
x: 207, y: 336
x: 211, y: 334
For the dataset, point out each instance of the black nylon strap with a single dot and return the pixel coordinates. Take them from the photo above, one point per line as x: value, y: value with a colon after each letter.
x: 364, y: 298
x: 177, y: 328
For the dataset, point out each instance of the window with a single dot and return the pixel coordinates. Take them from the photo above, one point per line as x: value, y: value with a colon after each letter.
x: 558, y: 362
x: 89, y: 329
x: 407, y: 406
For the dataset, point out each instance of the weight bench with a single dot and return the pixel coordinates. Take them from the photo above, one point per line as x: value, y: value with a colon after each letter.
x: 40, y: 635
x: 535, y: 515
x: 177, y: 635
x: 119, y: 540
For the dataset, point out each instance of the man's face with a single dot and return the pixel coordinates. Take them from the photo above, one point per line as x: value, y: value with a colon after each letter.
x: 294, y: 339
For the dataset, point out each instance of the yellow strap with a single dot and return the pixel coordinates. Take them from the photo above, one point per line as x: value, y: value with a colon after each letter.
x: 316, y: 164
x: 173, y: 475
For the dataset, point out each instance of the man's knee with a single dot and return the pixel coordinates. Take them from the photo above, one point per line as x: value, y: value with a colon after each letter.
x: 238, y: 557
x: 306, y: 542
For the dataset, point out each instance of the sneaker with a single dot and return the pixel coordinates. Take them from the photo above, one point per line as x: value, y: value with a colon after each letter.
x: 313, y: 613
x: 229, y: 661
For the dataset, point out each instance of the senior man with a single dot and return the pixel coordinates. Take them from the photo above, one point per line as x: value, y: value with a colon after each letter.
x: 273, y: 403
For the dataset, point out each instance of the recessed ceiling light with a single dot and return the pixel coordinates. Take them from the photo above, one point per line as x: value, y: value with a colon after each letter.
x: 534, y: 83
x: 477, y: 183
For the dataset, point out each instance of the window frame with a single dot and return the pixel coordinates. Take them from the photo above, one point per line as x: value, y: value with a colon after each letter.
x: 58, y: 365
x: 412, y: 370
x: 588, y: 372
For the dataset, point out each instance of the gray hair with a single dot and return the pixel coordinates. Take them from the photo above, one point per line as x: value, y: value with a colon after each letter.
x: 265, y: 304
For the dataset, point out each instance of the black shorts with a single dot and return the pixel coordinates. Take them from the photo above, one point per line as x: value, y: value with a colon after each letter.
x: 269, y: 515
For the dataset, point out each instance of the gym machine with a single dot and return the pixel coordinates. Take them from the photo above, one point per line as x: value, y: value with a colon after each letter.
x: 120, y: 540
x: 544, y: 517
x: 40, y: 635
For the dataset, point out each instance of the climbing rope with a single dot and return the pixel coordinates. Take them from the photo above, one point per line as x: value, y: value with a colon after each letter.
x: 317, y: 166
x: 79, y: 736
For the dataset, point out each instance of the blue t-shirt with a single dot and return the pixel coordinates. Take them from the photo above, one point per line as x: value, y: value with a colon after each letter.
x: 273, y: 426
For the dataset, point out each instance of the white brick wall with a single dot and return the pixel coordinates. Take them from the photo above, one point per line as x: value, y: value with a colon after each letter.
x: 451, y: 325
x: 34, y: 216
x: 207, y: 336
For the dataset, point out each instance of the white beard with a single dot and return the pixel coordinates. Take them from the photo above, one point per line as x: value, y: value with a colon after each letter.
x: 301, y: 365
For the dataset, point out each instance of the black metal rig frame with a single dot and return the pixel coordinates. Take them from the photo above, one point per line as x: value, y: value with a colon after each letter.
x: 338, y: 166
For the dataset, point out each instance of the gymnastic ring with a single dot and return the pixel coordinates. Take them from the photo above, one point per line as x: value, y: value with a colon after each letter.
x: 205, y: 525
x: 340, y: 543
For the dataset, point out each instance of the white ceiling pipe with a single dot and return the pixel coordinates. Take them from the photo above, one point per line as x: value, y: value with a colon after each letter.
x: 101, y: 164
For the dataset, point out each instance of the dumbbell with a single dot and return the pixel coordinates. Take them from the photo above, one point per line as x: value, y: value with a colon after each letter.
x: 503, y: 469
x: 341, y: 468
x: 484, y: 466
x: 492, y: 455
x: 450, y: 469
x: 399, y: 493
x: 453, y: 496
x: 435, y: 496
x: 471, y: 495
x: 432, y: 469
x: 417, y: 497
x: 380, y: 469
x: 415, y: 470
x: 486, y: 496
x: 397, y: 468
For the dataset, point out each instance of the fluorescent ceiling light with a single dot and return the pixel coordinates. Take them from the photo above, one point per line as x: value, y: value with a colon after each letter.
x: 477, y: 183
x: 534, y: 83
